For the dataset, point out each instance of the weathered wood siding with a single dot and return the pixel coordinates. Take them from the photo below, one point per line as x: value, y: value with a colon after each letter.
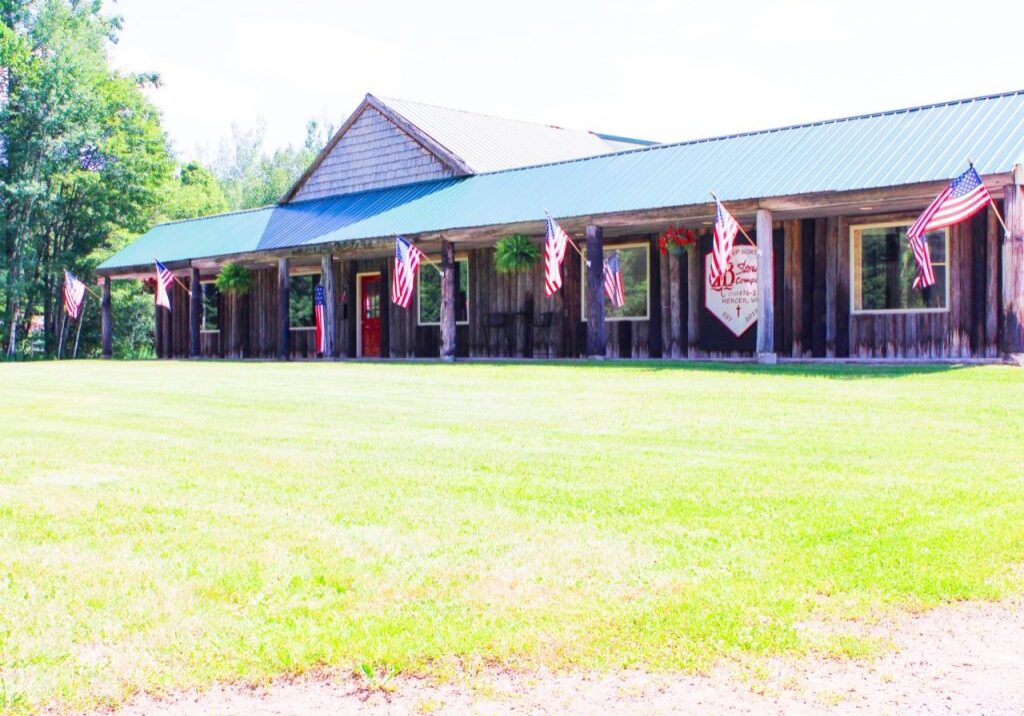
x: 963, y: 331
x: 372, y: 154
x: 812, y: 307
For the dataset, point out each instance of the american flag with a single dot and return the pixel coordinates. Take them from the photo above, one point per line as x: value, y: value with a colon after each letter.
x: 74, y: 294
x: 164, y: 279
x: 407, y: 261
x: 726, y: 229
x: 319, y: 301
x: 613, y: 281
x: 963, y: 198
x: 555, y: 244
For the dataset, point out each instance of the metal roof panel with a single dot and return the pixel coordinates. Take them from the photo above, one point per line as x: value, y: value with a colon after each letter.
x: 887, y: 149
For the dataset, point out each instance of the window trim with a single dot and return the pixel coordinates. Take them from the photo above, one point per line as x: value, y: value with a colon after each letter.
x: 300, y: 273
x: 208, y: 331
x: 583, y: 283
x: 419, y: 284
x: 907, y: 223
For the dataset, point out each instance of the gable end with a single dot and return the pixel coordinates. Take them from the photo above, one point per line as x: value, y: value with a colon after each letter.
x: 372, y: 151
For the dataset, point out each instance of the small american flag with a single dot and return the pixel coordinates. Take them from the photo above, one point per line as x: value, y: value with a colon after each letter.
x: 613, y: 281
x: 963, y: 198
x: 726, y: 229
x: 407, y: 261
x: 319, y: 301
x: 74, y: 294
x: 164, y: 279
x: 555, y: 245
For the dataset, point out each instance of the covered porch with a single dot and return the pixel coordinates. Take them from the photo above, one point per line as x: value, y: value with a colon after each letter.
x: 814, y: 270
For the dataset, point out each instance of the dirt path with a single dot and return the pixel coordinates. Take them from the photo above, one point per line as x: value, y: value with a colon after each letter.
x: 964, y: 659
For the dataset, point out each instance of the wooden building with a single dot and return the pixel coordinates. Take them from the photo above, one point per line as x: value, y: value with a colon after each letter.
x: 827, y: 206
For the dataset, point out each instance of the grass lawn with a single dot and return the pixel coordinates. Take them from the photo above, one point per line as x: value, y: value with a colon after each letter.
x: 172, y: 524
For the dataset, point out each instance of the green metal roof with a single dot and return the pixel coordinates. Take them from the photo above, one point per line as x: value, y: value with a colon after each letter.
x: 908, y: 146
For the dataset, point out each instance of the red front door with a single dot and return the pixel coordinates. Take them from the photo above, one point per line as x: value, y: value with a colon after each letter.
x: 369, y: 314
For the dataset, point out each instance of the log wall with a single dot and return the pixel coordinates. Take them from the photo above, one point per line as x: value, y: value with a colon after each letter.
x: 812, y: 307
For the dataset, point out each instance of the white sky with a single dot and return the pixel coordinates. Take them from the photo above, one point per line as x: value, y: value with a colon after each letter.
x: 654, y: 69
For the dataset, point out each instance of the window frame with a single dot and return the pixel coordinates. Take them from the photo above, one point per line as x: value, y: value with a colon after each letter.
x: 202, y: 304
x: 460, y: 257
x: 583, y: 282
x: 855, y: 260
x: 298, y: 273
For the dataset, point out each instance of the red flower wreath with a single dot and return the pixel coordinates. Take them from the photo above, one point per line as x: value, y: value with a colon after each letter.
x: 676, y: 240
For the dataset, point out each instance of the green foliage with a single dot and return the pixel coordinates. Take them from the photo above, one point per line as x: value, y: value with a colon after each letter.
x: 193, y: 193
x: 234, y: 280
x: 251, y: 177
x: 515, y: 254
x: 84, y: 162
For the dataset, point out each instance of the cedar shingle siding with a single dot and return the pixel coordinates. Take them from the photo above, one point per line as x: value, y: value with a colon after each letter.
x: 372, y: 154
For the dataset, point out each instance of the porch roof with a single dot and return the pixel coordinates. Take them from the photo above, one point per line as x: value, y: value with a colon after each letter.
x: 901, y: 147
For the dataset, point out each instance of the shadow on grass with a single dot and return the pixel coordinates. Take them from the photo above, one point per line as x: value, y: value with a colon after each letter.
x: 837, y: 371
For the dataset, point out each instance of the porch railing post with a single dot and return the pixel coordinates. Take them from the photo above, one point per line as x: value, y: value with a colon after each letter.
x: 107, y: 324
x: 765, y: 289
x: 1013, y: 268
x: 447, y: 301
x: 283, y: 311
x: 195, y: 312
x: 595, y: 292
x: 330, y: 301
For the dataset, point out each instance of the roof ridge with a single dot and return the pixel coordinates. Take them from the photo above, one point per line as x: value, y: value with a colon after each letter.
x: 772, y: 130
x: 387, y: 100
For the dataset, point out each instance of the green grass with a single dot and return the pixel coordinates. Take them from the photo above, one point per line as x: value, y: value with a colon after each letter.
x: 171, y: 524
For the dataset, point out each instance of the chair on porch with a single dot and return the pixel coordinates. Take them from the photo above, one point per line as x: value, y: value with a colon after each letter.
x: 497, y: 323
x: 542, y: 329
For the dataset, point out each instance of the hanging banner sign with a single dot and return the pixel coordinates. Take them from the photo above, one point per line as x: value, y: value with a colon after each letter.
x: 733, y: 298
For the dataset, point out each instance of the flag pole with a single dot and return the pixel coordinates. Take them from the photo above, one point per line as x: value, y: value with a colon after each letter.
x: 738, y: 224
x: 78, y: 332
x: 178, y: 280
x: 425, y: 258
x: 992, y: 202
x: 570, y: 240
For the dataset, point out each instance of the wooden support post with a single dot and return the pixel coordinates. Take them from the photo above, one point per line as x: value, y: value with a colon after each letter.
x: 1013, y: 271
x: 655, y: 340
x: 765, y: 289
x: 108, y: 321
x: 675, y: 306
x: 447, y: 301
x: 595, y: 293
x: 694, y: 280
x: 330, y: 302
x: 195, y: 312
x: 283, y: 311
x: 352, y: 316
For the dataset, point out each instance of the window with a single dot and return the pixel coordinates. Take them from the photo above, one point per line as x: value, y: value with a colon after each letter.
x: 211, y: 307
x: 634, y: 262
x: 300, y: 300
x: 882, y: 268
x: 429, y: 287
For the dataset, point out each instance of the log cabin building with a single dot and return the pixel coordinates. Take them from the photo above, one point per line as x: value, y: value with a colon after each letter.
x: 827, y: 206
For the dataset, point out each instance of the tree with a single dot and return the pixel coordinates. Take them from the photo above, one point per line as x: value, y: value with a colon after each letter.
x: 193, y: 193
x: 253, y: 178
x: 84, y: 156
